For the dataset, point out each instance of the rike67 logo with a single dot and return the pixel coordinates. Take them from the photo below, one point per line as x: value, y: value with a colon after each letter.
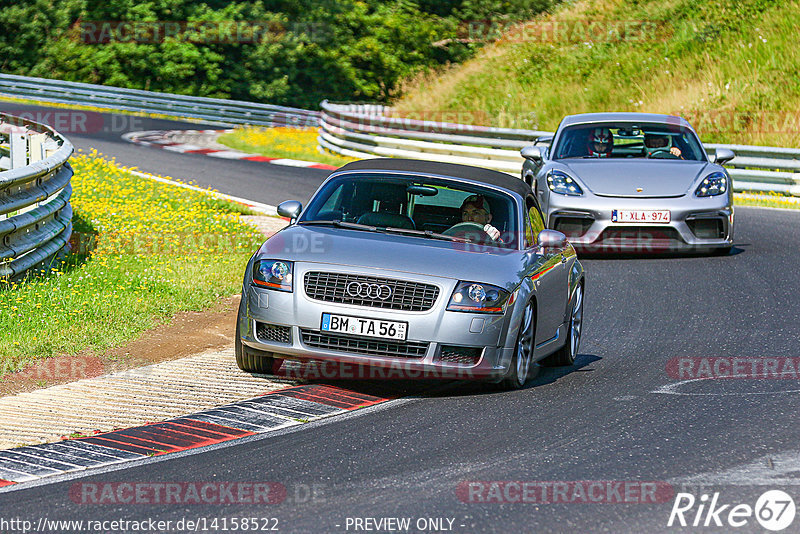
x: 774, y: 510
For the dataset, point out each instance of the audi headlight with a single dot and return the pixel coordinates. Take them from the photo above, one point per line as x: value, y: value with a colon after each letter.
x: 563, y: 184
x: 475, y: 297
x: 714, y: 184
x: 274, y: 274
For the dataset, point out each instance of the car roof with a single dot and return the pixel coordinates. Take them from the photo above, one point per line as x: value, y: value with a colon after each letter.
x: 584, y: 118
x: 415, y: 166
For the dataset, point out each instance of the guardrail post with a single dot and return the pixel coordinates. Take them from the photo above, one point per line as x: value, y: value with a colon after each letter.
x: 19, y: 149
x: 49, y: 147
x: 36, y: 147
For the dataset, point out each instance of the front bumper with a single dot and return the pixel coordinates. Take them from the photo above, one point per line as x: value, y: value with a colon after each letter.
x: 696, y: 224
x: 288, y: 326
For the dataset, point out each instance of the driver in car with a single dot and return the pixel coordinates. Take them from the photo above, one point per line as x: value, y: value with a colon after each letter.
x: 475, y: 209
x: 655, y: 143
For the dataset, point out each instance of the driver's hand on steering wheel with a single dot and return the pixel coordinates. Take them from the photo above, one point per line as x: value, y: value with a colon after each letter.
x: 493, y: 232
x: 675, y: 151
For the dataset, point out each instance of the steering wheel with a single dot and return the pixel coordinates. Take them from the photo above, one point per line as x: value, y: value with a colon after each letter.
x: 463, y: 227
x: 469, y: 230
x: 665, y: 152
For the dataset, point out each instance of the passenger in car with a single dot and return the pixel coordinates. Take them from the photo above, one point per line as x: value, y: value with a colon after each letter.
x: 600, y: 142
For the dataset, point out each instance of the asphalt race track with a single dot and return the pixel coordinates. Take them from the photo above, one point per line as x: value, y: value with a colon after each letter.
x: 269, y: 184
x: 620, y: 417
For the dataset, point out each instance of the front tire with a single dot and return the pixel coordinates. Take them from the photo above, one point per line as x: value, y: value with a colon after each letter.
x: 522, y: 366
x: 249, y: 360
x: 566, y: 354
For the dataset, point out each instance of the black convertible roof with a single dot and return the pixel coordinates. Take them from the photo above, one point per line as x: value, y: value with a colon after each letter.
x: 477, y: 174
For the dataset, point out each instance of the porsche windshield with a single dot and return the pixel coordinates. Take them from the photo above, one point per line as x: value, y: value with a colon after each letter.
x: 655, y: 141
x: 417, y: 206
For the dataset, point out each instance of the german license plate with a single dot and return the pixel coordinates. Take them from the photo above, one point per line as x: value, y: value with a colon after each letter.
x: 640, y: 216
x: 361, y: 326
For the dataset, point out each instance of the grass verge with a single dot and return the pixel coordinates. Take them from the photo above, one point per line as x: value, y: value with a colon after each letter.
x: 729, y: 66
x: 281, y: 142
x: 142, y: 251
x: 766, y: 200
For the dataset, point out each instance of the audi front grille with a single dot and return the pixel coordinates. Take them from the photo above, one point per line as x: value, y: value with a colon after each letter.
x: 369, y: 347
x: 460, y: 355
x: 273, y: 333
x: 370, y: 291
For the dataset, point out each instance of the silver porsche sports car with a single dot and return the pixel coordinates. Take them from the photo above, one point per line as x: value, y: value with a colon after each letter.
x: 632, y: 182
x: 430, y: 269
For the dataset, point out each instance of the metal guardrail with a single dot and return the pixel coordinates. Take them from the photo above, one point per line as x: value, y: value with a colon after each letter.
x: 368, y: 131
x: 215, y: 110
x: 35, y: 214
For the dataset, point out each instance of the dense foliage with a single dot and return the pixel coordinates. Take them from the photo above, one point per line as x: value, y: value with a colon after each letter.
x: 312, y: 49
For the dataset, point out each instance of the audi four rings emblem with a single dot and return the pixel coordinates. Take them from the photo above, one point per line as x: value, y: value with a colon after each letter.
x: 371, y: 291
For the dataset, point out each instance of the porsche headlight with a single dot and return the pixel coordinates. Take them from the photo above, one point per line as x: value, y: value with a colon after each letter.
x: 714, y: 184
x: 475, y: 297
x: 563, y: 184
x: 273, y: 274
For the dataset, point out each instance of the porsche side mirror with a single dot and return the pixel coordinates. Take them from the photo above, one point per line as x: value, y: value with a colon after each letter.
x: 532, y: 153
x: 550, y: 240
x: 723, y: 156
x: 290, y: 209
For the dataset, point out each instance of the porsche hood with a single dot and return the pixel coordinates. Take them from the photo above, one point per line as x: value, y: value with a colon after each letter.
x: 632, y: 178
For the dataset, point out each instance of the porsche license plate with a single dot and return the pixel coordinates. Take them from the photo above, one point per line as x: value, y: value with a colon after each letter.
x: 640, y: 216
x: 361, y: 326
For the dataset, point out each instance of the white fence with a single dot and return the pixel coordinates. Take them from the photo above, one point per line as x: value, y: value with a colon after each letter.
x: 368, y: 131
x: 215, y: 110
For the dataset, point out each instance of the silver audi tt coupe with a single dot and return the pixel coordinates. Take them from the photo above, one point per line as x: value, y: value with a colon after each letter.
x: 632, y: 182
x: 429, y: 269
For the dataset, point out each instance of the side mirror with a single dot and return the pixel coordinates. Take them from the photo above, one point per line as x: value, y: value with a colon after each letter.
x: 551, y: 239
x: 532, y: 153
x: 723, y: 156
x: 290, y: 209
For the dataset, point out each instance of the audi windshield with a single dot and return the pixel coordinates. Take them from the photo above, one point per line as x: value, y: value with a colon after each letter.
x: 416, y: 207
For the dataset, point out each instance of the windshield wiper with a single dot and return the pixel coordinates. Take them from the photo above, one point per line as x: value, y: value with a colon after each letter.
x: 426, y: 233
x: 343, y: 224
x: 389, y: 229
